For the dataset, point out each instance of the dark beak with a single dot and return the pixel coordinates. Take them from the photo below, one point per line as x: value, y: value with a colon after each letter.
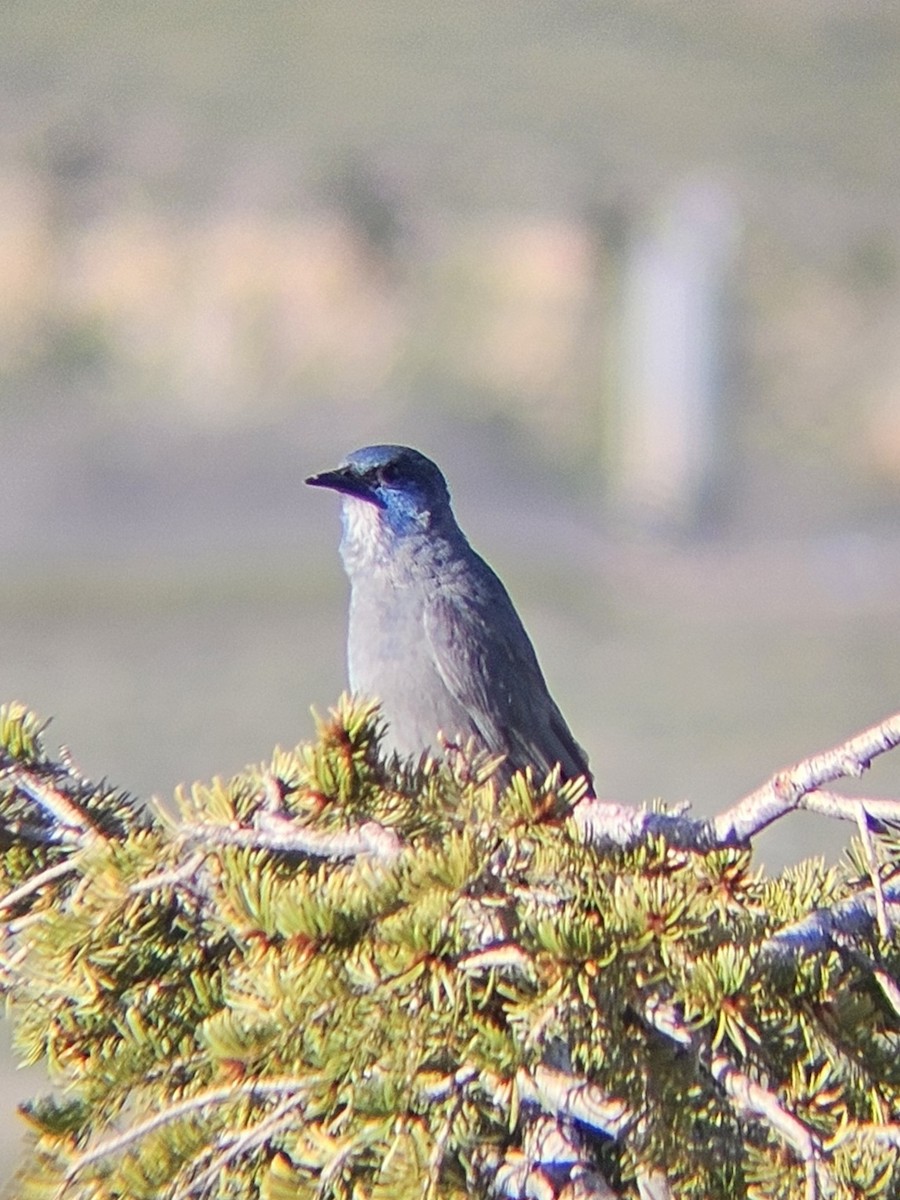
x: 344, y: 479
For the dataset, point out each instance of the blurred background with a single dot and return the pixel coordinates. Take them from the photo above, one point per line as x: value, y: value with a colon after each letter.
x: 628, y: 271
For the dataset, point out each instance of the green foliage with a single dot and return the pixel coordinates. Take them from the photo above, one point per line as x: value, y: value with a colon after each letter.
x: 227, y: 1016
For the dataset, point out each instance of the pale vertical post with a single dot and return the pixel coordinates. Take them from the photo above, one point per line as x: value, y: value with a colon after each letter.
x: 674, y: 341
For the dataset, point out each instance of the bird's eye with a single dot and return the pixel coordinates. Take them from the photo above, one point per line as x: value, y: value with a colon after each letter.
x: 389, y: 473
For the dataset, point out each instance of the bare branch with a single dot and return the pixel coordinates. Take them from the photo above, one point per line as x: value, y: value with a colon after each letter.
x: 785, y: 791
x: 603, y: 822
x: 280, y: 833
x: 846, y: 808
x: 865, y: 836
x: 654, y: 1186
x: 213, y: 1096
x: 889, y: 988
x: 249, y: 1139
x: 445, y: 1085
x: 749, y: 1098
x: 823, y: 927
x: 550, y: 1147
x: 17, y: 924
x: 505, y: 956
x: 752, y: 1099
x: 171, y: 878
x: 439, y: 1150
x: 565, y: 1095
x: 549, y: 1156
x: 560, y: 1095
x: 35, y: 883
x: 73, y: 820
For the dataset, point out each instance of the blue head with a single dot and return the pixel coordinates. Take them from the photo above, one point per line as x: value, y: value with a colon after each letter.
x: 389, y: 492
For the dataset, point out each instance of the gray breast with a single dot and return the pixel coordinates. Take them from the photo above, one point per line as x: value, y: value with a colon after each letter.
x: 390, y: 657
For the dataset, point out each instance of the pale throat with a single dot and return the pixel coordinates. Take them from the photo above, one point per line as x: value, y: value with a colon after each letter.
x: 369, y: 541
x: 364, y: 535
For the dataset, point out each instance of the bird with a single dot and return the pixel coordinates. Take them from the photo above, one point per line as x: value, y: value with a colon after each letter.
x: 433, y: 634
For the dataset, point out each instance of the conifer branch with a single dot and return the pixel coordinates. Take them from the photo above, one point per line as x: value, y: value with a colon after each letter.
x: 889, y: 1134
x: 371, y: 1025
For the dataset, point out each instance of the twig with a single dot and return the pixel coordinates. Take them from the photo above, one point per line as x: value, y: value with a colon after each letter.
x: 784, y: 792
x: 277, y: 833
x: 17, y: 924
x: 747, y: 1096
x: 666, y: 1019
x: 823, y: 927
x: 844, y: 808
x: 35, y: 834
x: 889, y: 988
x: 209, y: 1098
x: 753, y: 1099
x: 504, y: 957
x: 564, y: 1095
x: 71, y: 768
x: 439, y: 1150
x: 35, y: 883
x: 56, y: 803
x: 865, y: 836
x: 250, y: 1139
x: 654, y: 1186
x: 9, y: 962
x: 172, y: 877
x: 445, y: 1085
x: 878, y: 1133
x: 271, y: 793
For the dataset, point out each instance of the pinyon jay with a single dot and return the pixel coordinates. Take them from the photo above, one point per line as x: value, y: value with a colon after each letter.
x: 433, y: 633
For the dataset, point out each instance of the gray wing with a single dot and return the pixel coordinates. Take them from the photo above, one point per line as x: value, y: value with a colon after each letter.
x: 487, y: 663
